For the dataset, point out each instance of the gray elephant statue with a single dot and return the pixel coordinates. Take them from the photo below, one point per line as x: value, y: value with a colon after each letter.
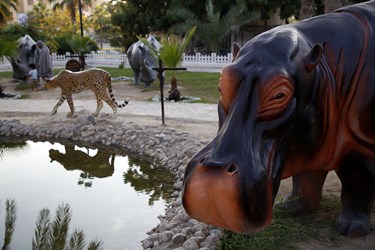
x: 142, y: 61
x: 25, y: 56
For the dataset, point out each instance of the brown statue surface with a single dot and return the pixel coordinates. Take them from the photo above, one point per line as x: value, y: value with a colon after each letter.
x: 298, y: 100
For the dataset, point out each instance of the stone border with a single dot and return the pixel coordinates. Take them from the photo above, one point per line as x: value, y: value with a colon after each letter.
x: 158, y: 145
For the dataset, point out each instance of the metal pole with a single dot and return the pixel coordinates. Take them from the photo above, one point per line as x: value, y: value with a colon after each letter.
x: 160, y: 70
x: 161, y: 78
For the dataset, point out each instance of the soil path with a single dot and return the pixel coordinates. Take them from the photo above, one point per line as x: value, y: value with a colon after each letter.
x: 193, y: 118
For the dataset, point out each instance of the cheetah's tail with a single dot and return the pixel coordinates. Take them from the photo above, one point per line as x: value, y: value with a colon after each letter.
x: 122, y: 105
x: 113, y: 98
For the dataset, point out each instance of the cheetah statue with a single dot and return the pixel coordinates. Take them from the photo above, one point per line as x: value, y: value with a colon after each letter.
x: 97, y: 80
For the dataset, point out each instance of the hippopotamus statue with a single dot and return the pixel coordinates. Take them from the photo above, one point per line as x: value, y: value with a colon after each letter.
x: 26, y: 55
x: 142, y: 61
x: 298, y: 100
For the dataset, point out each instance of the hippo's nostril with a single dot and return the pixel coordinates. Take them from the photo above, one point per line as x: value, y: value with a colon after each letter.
x: 202, y: 160
x: 232, y: 169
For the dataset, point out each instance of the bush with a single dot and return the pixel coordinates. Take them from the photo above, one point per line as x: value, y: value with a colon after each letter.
x: 63, y: 44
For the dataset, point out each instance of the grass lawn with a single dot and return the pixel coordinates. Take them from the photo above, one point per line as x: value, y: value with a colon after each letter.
x: 287, y: 230
x: 197, y: 84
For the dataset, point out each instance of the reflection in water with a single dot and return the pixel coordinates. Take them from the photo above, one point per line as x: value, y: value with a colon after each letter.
x: 124, y: 192
x: 48, y: 234
x: 54, y: 234
x: 154, y: 181
x: 10, y: 220
x: 16, y: 148
x: 100, y: 165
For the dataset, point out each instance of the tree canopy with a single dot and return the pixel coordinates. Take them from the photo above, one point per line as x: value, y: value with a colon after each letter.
x: 214, y: 19
x: 6, y: 7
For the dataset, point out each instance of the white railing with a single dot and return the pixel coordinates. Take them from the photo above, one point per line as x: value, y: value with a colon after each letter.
x: 196, y: 62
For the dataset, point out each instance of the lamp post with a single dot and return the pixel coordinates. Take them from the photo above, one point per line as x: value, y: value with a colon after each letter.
x: 82, y: 56
x: 80, y: 16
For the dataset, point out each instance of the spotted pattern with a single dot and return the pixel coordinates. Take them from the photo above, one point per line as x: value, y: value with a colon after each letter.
x: 97, y: 80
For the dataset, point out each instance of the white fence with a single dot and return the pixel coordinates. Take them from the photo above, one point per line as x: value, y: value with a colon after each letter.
x: 197, y: 62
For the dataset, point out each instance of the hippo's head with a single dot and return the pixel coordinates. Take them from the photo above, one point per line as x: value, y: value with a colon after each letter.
x: 149, y: 61
x: 265, y: 116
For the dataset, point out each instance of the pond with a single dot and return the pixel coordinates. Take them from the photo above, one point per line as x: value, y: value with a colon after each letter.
x: 113, y: 199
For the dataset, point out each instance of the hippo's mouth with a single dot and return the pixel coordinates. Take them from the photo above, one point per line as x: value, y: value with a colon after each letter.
x: 213, y: 195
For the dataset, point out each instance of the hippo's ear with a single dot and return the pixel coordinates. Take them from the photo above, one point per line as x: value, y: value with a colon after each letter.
x: 222, y: 115
x: 314, y: 57
x: 236, y: 48
x: 142, y: 49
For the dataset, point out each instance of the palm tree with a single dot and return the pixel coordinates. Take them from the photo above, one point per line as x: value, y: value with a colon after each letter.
x: 215, y: 27
x: 101, y: 20
x: 5, y: 10
x: 38, y: 16
x: 54, y: 234
x: 15, y: 148
x: 49, y: 234
x: 10, y: 219
x: 171, y: 54
x: 72, y: 6
x: 8, y: 48
x: 80, y: 46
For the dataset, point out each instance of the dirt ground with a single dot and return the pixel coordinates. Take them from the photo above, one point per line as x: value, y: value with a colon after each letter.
x: 196, y: 119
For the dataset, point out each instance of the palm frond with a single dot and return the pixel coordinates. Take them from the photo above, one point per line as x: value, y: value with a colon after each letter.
x: 95, y: 245
x: 13, y: 148
x: 188, y: 17
x: 42, y: 232
x: 79, y: 44
x: 10, y: 219
x: 77, y: 240
x: 9, y: 46
x: 60, y: 227
x: 154, y: 52
x: 180, y: 13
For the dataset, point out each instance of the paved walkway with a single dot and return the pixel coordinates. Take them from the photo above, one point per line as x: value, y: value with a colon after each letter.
x: 190, y: 111
x: 194, y: 118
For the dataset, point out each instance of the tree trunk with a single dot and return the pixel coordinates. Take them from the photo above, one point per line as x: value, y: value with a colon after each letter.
x: 332, y: 5
x: 307, y: 9
x: 174, y: 93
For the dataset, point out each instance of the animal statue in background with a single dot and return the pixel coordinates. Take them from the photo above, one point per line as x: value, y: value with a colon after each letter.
x: 142, y: 61
x: 298, y: 100
x: 25, y: 56
x: 98, y: 80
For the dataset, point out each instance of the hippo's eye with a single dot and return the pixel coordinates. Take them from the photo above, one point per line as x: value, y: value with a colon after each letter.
x: 278, y: 96
x: 275, y: 99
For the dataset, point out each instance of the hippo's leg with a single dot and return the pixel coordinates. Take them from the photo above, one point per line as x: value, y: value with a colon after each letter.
x: 357, y: 196
x: 306, y: 193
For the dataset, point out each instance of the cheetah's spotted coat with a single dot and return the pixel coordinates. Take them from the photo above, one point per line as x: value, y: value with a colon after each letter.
x: 97, y: 80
